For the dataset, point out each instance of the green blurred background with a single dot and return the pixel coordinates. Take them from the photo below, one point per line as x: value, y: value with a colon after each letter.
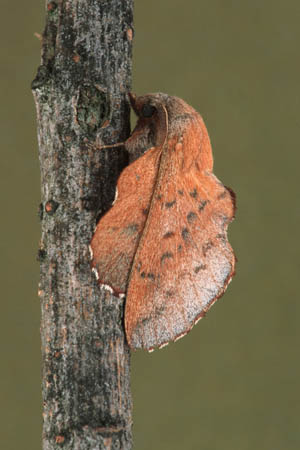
x: 233, y: 382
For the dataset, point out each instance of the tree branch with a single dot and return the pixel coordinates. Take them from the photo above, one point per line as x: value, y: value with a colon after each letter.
x: 80, y: 94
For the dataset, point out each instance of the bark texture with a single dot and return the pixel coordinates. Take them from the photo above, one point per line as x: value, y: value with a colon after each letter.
x: 80, y: 94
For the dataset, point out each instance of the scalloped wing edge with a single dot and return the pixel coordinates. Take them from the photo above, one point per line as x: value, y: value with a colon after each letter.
x: 199, y: 316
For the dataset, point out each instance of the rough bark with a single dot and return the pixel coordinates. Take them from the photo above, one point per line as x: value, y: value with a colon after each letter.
x: 80, y: 94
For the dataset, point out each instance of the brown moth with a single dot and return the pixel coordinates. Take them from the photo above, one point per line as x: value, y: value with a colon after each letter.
x: 164, y: 241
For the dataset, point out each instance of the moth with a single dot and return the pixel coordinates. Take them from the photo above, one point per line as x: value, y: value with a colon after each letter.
x: 164, y: 241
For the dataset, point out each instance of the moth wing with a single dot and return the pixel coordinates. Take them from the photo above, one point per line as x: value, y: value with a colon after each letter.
x: 118, y: 232
x: 184, y: 261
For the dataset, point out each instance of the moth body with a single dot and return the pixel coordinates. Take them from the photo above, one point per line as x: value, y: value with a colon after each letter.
x: 164, y: 241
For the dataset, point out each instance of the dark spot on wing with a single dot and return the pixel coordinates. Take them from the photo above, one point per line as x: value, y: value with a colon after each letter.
x: 194, y: 193
x: 170, y: 293
x: 207, y: 246
x: 222, y: 195
x: 180, y: 192
x: 185, y: 233
x: 166, y: 255
x: 143, y: 275
x: 159, y: 197
x: 224, y: 219
x: 168, y: 234
x: 222, y: 237
x: 191, y: 217
x: 202, y: 205
x: 145, y: 211
x: 159, y: 310
x: 184, y: 116
x: 201, y: 267
x: 179, y: 247
x: 157, y: 313
x: 151, y: 276
x: 131, y: 229
x: 144, y: 321
x: 170, y: 204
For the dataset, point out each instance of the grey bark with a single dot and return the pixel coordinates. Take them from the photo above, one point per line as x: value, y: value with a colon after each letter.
x: 80, y: 94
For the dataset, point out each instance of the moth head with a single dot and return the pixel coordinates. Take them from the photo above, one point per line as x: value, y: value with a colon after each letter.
x: 145, y: 106
x: 151, y: 112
